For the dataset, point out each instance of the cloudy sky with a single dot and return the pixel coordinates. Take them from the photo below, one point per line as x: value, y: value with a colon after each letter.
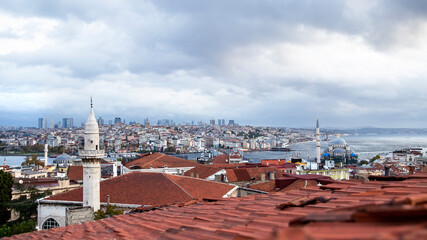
x: 275, y: 63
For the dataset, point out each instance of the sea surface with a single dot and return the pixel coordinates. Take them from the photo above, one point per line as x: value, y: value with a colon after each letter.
x: 365, y: 146
x: 17, y: 160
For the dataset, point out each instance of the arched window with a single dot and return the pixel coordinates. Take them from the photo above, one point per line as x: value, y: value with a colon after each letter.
x: 50, y: 223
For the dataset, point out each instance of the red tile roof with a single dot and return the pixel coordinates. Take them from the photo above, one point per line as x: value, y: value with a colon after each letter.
x: 221, y: 159
x: 355, y: 210
x: 151, y: 189
x: 159, y: 160
x: 75, y: 173
x: 250, y: 173
x: 202, y: 171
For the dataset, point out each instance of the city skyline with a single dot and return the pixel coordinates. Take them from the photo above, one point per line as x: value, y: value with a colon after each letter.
x: 275, y: 63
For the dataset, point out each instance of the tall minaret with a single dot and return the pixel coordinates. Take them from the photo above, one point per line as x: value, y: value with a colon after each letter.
x: 317, y: 141
x: 91, y: 157
x: 45, y: 155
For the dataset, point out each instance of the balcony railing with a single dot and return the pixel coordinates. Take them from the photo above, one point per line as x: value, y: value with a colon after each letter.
x: 91, y: 153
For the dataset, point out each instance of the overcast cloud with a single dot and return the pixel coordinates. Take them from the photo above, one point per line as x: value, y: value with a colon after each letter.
x: 277, y: 63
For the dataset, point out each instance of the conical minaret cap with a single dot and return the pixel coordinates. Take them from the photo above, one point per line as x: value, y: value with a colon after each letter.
x: 91, y: 125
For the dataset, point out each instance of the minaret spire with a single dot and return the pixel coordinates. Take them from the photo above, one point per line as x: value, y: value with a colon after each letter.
x: 317, y: 141
x: 91, y: 156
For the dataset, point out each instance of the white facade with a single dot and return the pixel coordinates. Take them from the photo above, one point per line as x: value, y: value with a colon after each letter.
x: 91, y: 158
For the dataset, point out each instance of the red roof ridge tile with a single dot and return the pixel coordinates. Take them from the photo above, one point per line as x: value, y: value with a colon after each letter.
x: 201, y: 179
x: 177, y: 185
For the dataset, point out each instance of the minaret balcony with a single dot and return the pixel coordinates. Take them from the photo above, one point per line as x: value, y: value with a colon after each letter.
x: 91, y: 154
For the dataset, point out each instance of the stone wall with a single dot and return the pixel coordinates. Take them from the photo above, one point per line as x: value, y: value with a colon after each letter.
x: 77, y: 215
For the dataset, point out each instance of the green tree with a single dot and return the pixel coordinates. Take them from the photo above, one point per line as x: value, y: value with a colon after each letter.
x: 32, y: 161
x: 364, y: 162
x: 27, y: 208
x: 6, y: 183
x: 170, y: 149
x: 10, y: 229
x: 374, y: 158
x: 111, y: 210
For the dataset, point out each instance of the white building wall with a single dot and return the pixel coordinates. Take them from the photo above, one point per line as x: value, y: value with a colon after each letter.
x: 91, y: 179
x: 221, y: 172
x: 55, y: 211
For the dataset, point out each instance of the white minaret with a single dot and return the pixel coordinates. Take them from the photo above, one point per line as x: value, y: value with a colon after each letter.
x: 91, y: 157
x: 317, y: 141
x: 45, y: 155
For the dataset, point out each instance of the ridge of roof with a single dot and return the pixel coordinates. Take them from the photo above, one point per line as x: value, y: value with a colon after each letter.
x: 155, y: 159
x: 177, y: 185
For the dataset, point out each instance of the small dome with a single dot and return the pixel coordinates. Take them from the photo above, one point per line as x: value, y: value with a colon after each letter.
x: 63, y: 158
x: 339, y: 151
x: 338, y: 141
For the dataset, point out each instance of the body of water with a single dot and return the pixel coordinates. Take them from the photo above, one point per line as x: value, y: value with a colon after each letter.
x: 364, y: 146
x: 17, y: 160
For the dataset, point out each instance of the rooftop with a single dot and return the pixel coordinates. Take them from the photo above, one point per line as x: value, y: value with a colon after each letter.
x: 342, y: 210
x: 163, y: 189
x: 159, y: 160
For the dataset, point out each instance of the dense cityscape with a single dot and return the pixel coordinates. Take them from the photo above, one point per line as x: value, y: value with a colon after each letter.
x: 156, y: 119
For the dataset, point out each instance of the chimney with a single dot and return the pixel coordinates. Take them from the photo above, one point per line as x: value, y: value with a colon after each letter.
x: 387, y: 171
x: 411, y: 170
x: 262, y: 176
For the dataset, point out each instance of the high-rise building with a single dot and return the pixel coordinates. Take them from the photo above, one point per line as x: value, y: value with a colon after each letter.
x: 219, y: 121
x: 117, y: 120
x: 100, y: 121
x: 223, y: 122
x: 42, y: 123
x: 164, y: 122
x: 230, y: 122
x: 212, y: 122
x: 67, y: 123
x: 51, y: 123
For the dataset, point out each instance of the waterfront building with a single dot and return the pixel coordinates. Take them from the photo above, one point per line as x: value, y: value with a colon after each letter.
x: 340, y: 152
x: 336, y: 173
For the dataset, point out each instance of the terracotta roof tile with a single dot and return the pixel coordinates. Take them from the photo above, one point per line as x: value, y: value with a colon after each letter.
x: 151, y: 189
x: 159, y: 160
x: 221, y: 159
x: 257, y: 217
x: 202, y: 171
x: 75, y: 173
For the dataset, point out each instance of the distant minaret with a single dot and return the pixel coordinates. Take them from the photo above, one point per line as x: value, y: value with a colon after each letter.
x: 91, y: 157
x: 45, y: 155
x: 317, y: 141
